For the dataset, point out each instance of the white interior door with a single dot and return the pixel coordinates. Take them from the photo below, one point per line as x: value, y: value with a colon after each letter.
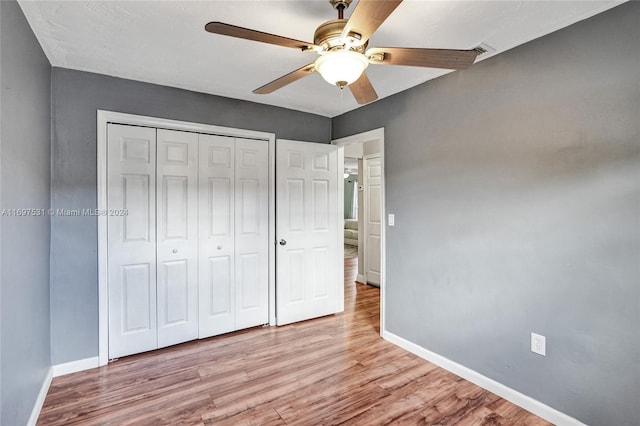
x: 234, y: 235
x: 177, y: 236
x: 217, y: 235
x: 131, y: 162
x: 251, y: 233
x: 308, y: 224
x: 373, y: 219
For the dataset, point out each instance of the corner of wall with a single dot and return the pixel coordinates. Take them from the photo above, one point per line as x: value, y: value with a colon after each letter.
x: 42, y: 395
x: 51, y: 148
x: 25, y: 140
x: 1, y: 205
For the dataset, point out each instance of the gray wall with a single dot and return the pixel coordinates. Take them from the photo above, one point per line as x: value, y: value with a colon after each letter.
x: 24, y: 183
x: 76, y: 97
x: 516, y: 190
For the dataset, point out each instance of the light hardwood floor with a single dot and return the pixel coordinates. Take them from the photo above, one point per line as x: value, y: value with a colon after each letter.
x: 327, y: 371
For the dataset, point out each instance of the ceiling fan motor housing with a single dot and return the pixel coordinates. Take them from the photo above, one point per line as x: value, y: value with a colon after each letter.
x: 329, y: 36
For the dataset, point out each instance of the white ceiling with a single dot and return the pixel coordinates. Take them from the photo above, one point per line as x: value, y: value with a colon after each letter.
x: 164, y: 42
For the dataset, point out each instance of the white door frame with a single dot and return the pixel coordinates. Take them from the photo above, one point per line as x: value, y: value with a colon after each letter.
x: 104, y: 117
x: 375, y: 135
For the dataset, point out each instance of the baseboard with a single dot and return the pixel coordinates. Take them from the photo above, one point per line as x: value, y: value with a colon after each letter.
x: 360, y: 278
x: 536, y: 407
x: 37, y: 406
x: 75, y: 366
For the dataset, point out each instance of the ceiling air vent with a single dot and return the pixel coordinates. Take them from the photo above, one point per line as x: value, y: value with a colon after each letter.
x: 483, y: 48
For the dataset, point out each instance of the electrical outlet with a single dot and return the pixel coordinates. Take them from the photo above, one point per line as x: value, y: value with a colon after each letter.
x: 538, y: 344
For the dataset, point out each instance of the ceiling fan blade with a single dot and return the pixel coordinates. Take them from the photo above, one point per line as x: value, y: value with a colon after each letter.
x: 285, y: 79
x: 415, y: 57
x: 247, y: 34
x: 368, y: 16
x: 363, y: 90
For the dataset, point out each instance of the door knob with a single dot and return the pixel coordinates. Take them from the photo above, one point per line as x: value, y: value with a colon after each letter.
x: 219, y: 247
x: 174, y: 251
x: 283, y: 242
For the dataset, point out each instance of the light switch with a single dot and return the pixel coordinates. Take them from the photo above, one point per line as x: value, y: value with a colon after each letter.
x: 392, y: 219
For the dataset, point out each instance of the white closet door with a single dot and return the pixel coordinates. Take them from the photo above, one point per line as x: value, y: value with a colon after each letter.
x: 308, y: 277
x: 251, y: 233
x: 131, y: 167
x: 177, y: 236
x: 373, y: 219
x: 216, y: 235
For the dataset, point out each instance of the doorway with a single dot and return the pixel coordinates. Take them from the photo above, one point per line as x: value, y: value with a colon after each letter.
x: 367, y: 149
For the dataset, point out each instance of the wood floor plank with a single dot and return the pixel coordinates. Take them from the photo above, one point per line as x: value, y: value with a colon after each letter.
x: 482, y: 416
x: 327, y: 371
x: 335, y: 409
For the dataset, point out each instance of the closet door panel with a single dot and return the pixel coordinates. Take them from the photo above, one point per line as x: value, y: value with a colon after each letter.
x: 177, y: 236
x: 131, y: 163
x: 251, y: 233
x: 248, y: 281
x: 136, y: 298
x: 216, y: 235
x: 220, y: 285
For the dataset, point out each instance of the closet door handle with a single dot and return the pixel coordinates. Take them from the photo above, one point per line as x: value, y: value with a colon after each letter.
x: 174, y: 251
x: 283, y: 242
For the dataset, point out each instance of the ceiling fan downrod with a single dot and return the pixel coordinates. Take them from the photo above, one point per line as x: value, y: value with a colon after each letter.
x: 340, y: 6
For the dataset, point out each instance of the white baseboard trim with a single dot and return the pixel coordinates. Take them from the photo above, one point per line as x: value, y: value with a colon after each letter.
x: 75, y: 366
x: 37, y: 406
x: 536, y: 407
x: 360, y: 278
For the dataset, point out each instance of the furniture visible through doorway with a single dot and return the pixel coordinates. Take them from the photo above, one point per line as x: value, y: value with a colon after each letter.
x: 351, y: 232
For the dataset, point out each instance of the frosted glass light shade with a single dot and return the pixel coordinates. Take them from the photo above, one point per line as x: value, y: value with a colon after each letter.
x: 341, y: 67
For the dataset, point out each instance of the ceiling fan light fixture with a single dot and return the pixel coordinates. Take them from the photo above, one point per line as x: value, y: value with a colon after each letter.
x: 341, y: 67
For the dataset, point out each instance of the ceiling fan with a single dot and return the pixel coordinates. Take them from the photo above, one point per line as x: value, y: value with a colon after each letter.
x: 343, y: 48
